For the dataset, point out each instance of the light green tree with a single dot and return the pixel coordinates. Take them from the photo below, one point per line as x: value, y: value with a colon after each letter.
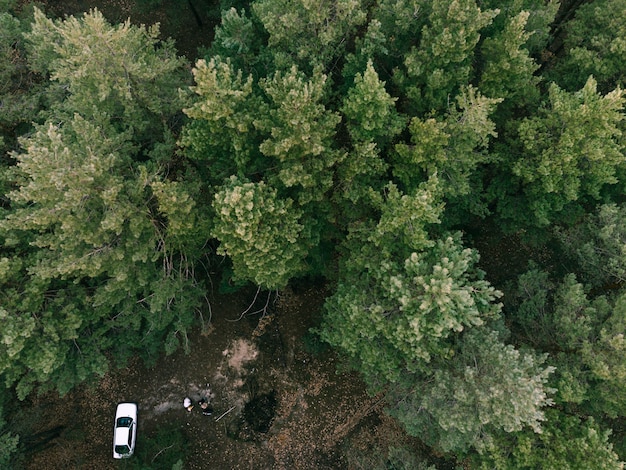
x: 83, y: 224
x: 260, y: 233
x: 584, y: 336
x: 299, y: 132
x: 222, y: 135
x: 485, y: 388
x: 97, y: 245
x: 123, y: 71
x: 370, y: 111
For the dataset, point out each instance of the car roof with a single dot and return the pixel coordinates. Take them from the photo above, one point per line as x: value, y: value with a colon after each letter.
x: 121, y: 436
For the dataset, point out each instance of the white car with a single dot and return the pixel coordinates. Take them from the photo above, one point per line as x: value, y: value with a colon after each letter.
x: 125, y: 432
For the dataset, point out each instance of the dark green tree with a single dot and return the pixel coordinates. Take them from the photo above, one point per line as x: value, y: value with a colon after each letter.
x: 566, y: 155
x: 583, y: 335
x: 595, y: 44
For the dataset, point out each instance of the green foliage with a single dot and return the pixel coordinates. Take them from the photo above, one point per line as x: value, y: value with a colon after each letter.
x: 570, y: 151
x: 9, y: 441
x: 509, y: 69
x: 565, y: 442
x: 595, y: 42
x: 20, y: 92
x: 86, y: 218
x: 395, y: 316
x: 238, y: 38
x: 124, y: 71
x: 485, y: 388
x: 300, y: 132
x: 259, y: 232
x: 223, y: 116
x: 538, y: 25
x: 309, y: 33
x: 441, y: 63
x: 451, y: 149
x: 370, y: 111
x: 598, y: 245
x: 585, y: 337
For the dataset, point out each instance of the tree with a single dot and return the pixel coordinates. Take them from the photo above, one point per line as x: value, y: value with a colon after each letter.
x: 595, y: 44
x: 485, y: 388
x: 299, y: 132
x: 308, y: 33
x: 565, y: 442
x: 441, y: 64
x: 122, y: 71
x: 597, y: 244
x: 260, y: 232
x: 20, y: 92
x: 93, y: 223
x: 509, y: 70
x: 452, y: 148
x: 370, y: 111
x: 222, y: 134
x: 569, y: 153
x: 92, y: 210
x: 395, y: 316
x: 584, y: 337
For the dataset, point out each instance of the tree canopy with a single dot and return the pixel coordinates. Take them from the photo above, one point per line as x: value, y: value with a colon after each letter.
x: 391, y: 149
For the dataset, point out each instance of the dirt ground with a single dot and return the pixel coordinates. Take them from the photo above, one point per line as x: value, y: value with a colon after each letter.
x: 320, y: 416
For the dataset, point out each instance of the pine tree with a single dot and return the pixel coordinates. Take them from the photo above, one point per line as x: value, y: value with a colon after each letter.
x: 260, y: 233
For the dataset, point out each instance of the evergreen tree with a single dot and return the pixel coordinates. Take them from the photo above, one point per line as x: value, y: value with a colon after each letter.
x: 260, y: 233
x: 308, y: 33
x: 565, y: 442
x: 441, y: 63
x: 92, y: 211
x: 569, y: 153
x: 486, y: 388
x: 584, y: 337
x: 595, y: 44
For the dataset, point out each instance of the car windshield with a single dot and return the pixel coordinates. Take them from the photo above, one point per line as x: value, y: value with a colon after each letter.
x: 122, y: 449
x: 124, y: 422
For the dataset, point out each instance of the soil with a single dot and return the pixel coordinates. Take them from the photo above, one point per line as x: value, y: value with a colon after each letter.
x: 309, y: 416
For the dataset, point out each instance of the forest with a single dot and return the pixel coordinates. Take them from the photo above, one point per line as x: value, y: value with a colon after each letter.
x: 452, y: 171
